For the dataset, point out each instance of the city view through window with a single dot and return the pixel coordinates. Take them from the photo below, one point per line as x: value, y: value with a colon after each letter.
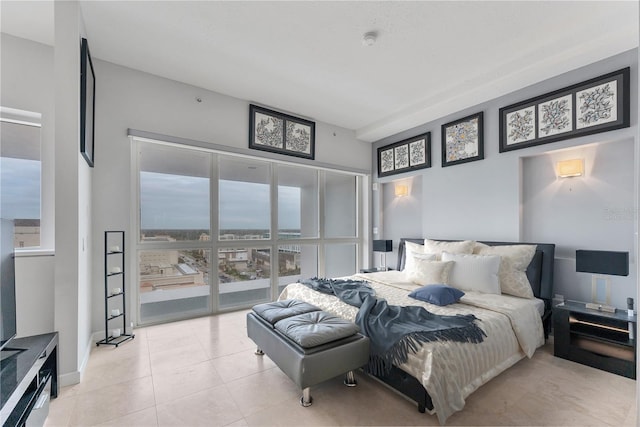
x: 244, y: 273
x: 182, y: 204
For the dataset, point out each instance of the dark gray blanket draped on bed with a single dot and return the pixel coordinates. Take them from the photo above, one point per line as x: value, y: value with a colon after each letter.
x: 394, y: 331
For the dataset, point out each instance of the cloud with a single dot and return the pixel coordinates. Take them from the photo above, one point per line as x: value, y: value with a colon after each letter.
x: 19, y: 188
x: 182, y: 202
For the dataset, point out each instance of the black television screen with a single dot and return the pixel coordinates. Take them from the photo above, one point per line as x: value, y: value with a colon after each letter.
x: 7, y: 283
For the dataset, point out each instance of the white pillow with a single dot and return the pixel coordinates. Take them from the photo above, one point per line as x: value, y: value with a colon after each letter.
x: 430, y: 272
x: 438, y: 247
x: 411, y: 259
x: 513, y: 267
x: 474, y: 272
x: 409, y: 249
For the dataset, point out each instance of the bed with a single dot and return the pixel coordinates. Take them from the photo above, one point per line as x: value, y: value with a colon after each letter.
x: 441, y: 374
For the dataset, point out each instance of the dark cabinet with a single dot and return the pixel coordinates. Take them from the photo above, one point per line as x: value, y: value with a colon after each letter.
x: 598, y: 339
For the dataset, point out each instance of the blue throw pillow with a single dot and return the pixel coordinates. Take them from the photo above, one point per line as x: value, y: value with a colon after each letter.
x: 437, y: 294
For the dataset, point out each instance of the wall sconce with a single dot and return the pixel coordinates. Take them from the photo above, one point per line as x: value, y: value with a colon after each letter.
x: 401, y: 190
x: 570, y: 168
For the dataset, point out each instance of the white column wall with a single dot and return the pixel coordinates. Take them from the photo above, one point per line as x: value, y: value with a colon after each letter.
x: 73, y: 196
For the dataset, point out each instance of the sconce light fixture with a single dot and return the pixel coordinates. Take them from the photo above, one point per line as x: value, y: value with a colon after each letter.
x: 570, y: 168
x: 401, y: 190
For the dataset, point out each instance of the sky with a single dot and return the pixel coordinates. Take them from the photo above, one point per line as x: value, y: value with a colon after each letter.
x: 19, y: 188
x: 167, y: 201
x: 182, y: 202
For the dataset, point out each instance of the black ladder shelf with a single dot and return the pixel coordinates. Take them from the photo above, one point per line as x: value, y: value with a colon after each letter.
x: 114, y: 268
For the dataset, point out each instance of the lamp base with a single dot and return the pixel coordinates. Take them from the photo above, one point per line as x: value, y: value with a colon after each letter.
x: 600, y: 307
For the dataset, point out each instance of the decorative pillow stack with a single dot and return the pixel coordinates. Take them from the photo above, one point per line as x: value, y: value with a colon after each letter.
x: 422, y: 268
x: 470, y: 266
x: 513, y: 266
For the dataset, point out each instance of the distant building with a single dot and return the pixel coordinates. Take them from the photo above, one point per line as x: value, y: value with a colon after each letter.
x: 158, y: 238
x: 162, y: 270
x: 237, y: 259
x: 26, y: 233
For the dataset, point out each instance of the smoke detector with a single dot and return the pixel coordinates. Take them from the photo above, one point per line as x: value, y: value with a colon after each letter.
x: 369, y: 39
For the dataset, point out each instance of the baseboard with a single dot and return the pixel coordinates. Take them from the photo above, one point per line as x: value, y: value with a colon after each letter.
x: 71, y: 378
x: 87, y: 354
x: 75, y: 377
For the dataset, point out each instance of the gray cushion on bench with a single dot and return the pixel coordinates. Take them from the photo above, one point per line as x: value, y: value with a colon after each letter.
x: 272, y: 312
x: 316, y: 328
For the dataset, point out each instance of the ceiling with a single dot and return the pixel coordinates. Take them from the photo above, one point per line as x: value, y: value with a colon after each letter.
x: 431, y: 58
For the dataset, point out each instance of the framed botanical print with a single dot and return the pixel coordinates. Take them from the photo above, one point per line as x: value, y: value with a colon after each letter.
x: 281, y: 133
x: 407, y: 155
x: 463, y: 140
x: 596, y: 105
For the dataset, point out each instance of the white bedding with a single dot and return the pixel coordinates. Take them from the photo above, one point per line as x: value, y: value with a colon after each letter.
x: 451, y: 371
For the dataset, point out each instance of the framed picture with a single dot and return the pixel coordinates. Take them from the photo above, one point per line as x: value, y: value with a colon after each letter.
x: 281, y: 133
x: 87, y: 103
x: 597, y: 105
x: 463, y: 140
x: 404, y: 156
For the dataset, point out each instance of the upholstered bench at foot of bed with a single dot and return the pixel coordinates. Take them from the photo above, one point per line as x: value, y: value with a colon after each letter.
x: 309, y: 345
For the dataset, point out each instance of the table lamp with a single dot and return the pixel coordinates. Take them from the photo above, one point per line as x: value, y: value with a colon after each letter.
x: 383, y: 246
x: 602, y: 263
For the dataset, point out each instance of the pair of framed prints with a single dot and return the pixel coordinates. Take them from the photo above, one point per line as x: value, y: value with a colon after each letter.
x: 462, y: 141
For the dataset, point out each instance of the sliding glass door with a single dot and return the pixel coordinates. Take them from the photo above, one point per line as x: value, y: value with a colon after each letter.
x: 175, y: 225
x: 259, y: 224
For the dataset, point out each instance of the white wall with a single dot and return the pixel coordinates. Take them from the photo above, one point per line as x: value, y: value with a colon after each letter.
x: 73, y: 196
x: 482, y: 200
x: 128, y: 98
x: 34, y: 294
x: 593, y: 212
x: 28, y: 84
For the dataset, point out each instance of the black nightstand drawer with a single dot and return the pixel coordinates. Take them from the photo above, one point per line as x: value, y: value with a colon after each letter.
x: 611, y: 364
x: 601, y: 340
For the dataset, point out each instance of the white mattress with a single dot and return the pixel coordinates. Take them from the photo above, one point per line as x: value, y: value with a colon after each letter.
x: 450, y: 371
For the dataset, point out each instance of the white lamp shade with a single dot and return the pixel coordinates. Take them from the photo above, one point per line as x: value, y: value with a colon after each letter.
x: 570, y: 168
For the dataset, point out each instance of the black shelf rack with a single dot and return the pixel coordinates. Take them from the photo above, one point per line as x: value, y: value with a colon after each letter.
x: 119, y: 254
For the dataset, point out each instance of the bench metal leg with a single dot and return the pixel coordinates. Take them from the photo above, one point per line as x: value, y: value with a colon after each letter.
x: 350, y: 379
x: 259, y: 352
x: 306, y: 398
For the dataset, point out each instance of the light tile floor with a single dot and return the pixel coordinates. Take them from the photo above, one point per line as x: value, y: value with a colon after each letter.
x: 202, y: 372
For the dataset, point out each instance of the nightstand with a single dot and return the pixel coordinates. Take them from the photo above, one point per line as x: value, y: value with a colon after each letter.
x: 598, y: 339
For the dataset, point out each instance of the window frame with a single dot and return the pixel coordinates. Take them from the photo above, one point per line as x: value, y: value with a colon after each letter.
x: 47, y: 183
x: 273, y: 243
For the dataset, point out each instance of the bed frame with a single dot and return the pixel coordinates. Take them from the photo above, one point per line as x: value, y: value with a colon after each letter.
x: 540, y: 275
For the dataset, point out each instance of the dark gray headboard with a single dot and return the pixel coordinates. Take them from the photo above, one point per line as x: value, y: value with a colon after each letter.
x: 539, y: 272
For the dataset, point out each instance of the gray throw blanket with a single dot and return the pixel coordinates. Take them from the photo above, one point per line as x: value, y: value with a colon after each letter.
x: 394, y: 331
